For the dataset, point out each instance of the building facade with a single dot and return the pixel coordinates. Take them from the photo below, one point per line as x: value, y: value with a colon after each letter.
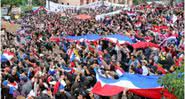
x: 81, y: 2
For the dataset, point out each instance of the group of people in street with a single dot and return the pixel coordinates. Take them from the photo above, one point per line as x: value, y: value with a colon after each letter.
x: 43, y: 69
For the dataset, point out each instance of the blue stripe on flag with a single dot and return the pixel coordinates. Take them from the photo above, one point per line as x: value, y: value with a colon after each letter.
x: 138, y: 80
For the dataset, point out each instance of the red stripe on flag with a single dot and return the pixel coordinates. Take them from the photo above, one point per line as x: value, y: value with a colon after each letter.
x: 154, y: 93
x: 9, y: 53
x: 111, y: 90
x: 107, y: 90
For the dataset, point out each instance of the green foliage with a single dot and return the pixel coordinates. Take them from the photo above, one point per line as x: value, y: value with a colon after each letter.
x: 38, y: 2
x: 26, y: 8
x: 135, y: 2
x: 174, y: 82
x: 23, y: 2
x: 12, y: 2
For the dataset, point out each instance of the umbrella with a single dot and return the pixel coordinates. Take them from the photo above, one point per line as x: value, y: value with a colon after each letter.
x: 83, y: 16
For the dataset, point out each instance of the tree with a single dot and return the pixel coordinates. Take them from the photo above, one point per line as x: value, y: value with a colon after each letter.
x: 39, y: 2
x: 12, y: 3
x: 174, y: 82
x: 137, y: 2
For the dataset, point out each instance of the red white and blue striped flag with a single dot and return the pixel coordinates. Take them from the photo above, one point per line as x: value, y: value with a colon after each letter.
x: 6, y: 56
x: 146, y: 86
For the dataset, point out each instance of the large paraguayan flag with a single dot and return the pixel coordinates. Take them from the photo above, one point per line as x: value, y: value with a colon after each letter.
x: 115, y: 38
x: 89, y: 37
x: 118, y: 38
x: 146, y: 86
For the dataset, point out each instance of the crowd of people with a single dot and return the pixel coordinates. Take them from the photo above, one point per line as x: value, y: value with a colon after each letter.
x: 42, y: 68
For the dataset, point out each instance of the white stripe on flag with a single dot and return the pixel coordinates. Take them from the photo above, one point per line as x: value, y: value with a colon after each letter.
x: 9, y: 57
x: 119, y: 72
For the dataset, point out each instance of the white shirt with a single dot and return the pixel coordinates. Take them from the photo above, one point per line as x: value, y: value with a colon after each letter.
x: 145, y: 71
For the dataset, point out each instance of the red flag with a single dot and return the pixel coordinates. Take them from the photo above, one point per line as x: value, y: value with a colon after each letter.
x: 56, y: 87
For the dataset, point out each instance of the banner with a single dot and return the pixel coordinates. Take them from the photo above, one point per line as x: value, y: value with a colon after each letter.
x: 106, y: 3
x: 149, y: 88
x: 102, y: 16
x: 56, y: 7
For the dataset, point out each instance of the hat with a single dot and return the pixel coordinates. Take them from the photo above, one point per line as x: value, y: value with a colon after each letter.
x: 144, y: 61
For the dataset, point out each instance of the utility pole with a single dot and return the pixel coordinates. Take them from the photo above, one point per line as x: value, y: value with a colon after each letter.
x: 49, y: 4
x: 102, y: 2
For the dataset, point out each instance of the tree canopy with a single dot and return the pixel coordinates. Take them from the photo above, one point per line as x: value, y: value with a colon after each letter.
x: 39, y: 2
x: 174, y: 82
x: 12, y: 2
x: 22, y: 2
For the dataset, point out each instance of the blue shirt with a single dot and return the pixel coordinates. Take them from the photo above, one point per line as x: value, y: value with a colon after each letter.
x: 135, y: 62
